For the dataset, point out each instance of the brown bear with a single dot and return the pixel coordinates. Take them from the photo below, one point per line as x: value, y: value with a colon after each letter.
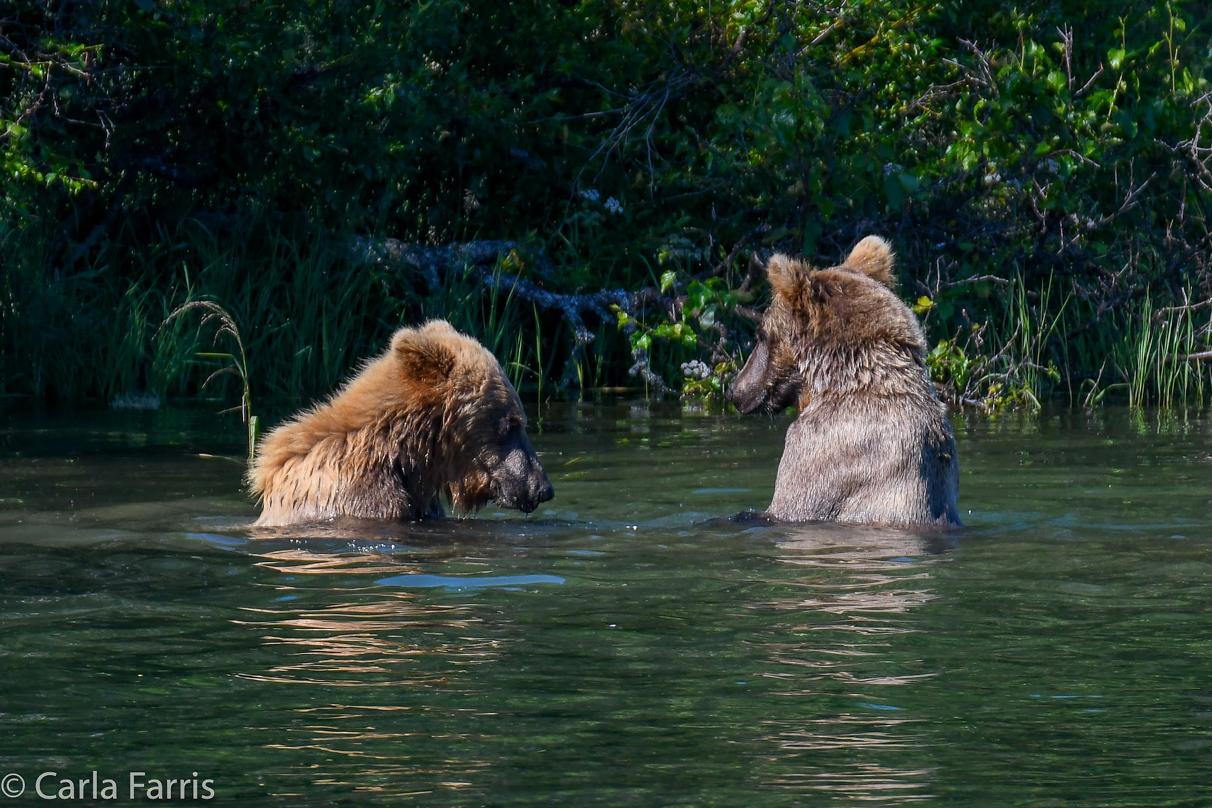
x: 871, y: 443
x: 433, y: 415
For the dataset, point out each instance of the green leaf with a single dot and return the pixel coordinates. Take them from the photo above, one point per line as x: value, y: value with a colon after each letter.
x: 1116, y: 57
x: 697, y: 295
x: 667, y: 281
x: 894, y: 191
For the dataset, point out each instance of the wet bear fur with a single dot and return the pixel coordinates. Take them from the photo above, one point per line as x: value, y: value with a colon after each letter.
x: 871, y: 443
x: 434, y: 416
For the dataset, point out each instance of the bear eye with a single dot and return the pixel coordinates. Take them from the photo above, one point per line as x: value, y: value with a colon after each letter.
x: 507, y: 425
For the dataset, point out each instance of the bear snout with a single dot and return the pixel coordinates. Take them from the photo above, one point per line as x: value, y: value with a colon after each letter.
x: 538, y: 494
x: 546, y: 492
x: 538, y: 487
x: 748, y: 390
x: 528, y: 496
x: 734, y: 397
x: 746, y: 394
x: 521, y: 481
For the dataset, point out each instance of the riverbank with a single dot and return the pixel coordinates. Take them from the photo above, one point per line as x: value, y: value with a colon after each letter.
x: 1045, y: 192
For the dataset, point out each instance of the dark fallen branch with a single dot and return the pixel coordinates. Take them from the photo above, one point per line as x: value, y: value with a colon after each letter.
x: 433, y: 262
x: 479, y: 259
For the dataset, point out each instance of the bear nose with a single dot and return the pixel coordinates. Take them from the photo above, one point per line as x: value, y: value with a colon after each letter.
x: 546, y: 492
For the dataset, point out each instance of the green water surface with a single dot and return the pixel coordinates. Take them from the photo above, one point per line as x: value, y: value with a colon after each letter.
x: 610, y: 649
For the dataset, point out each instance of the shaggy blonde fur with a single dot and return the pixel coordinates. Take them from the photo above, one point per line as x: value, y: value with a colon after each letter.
x: 408, y: 429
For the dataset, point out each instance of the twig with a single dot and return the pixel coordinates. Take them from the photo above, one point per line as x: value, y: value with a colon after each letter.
x: 756, y: 268
x: 1203, y: 304
x: 1088, y: 84
x: 726, y: 264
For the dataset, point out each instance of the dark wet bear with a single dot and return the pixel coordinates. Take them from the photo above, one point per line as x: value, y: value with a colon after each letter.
x: 871, y: 443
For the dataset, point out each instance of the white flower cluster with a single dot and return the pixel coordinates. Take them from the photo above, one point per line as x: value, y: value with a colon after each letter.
x: 695, y: 369
x: 680, y: 247
x: 593, y: 195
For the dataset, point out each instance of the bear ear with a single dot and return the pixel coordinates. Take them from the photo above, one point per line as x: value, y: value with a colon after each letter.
x: 874, y: 258
x: 440, y: 329
x: 425, y: 353
x: 786, y: 277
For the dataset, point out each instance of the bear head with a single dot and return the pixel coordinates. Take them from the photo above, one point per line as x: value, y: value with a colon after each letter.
x: 478, y: 446
x: 837, y: 331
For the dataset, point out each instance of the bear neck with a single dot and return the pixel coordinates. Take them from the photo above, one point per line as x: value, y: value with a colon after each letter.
x: 389, y: 447
x: 842, y: 371
x: 418, y: 461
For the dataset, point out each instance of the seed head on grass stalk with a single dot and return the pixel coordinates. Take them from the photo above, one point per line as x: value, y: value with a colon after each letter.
x: 237, y: 363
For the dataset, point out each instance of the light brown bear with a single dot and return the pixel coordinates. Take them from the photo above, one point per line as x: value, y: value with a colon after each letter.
x: 433, y: 416
x: 871, y: 443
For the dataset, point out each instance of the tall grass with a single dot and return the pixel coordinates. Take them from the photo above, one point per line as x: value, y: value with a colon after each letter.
x: 1154, y: 354
x: 307, y: 312
x: 228, y: 362
x: 70, y: 337
x: 1032, y: 369
x: 1043, y: 344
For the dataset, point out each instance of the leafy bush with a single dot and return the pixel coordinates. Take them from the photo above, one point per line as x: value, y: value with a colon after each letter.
x: 1005, y: 151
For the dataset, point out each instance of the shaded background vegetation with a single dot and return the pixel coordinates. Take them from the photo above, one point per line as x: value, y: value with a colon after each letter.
x: 1042, y: 171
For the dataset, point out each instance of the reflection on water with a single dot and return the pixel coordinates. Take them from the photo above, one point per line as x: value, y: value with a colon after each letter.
x: 851, y: 591
x: 373, y: 639
x: 614, y: 649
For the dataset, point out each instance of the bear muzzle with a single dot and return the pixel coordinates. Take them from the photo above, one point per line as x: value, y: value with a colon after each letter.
x: 527, y: 497
x: 748, y: 392
x: 536, y: 494
x: 521, y: 482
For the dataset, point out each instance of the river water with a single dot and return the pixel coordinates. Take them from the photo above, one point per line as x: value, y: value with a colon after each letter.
x: 611, y: 649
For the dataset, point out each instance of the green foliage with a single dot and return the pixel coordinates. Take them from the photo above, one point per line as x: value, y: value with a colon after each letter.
x: 950, y: 365
x: 1012, y: 153
x: 693, y: 324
